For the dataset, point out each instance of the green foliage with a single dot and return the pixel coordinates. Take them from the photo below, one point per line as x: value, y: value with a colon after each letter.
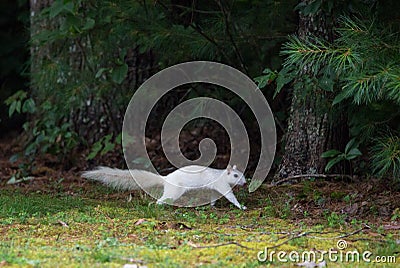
x: 364, y: 60
x: 350, y: 152
x: 20, y: 103
x: 386, y: 156
x: 281, y: 209
x: 334, y: 219
x: 265, y: 79
x: 359, y: 72
x: 396, y: 214
x: 51, y: 138
x: 96, y: 53
x: 104, y: 145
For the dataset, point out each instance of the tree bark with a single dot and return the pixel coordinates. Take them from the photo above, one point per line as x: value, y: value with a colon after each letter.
x: 36, y: 25
x: 310, y: 132
x: 95, y: 116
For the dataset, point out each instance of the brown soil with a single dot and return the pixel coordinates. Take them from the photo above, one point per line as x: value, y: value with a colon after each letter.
x: 368, y: 200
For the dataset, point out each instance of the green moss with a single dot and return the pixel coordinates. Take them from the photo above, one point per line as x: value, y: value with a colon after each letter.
x: 44, y: 230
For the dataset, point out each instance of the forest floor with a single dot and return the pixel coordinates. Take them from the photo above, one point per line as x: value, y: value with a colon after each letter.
x: 53, y: 218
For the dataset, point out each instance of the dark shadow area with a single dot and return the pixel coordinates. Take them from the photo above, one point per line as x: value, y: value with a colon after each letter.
x: 14, y: 36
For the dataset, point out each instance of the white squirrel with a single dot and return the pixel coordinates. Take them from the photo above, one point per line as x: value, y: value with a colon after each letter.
x: 176, y: 183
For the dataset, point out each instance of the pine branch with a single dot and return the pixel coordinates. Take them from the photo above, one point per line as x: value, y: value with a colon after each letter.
x: 228, y: 32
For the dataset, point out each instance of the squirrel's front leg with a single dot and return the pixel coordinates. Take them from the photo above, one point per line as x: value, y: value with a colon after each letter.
x: 232, y: 198
x: 226, y: 190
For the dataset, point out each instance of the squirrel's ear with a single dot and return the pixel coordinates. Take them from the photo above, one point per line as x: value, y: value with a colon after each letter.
x: 234, y: 167
x: 229, y: 169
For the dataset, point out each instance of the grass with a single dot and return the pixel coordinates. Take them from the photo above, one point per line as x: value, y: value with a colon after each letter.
x: 86, y: 229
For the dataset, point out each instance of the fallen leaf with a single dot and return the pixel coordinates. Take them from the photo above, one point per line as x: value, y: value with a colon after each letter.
x: 391, y: 227
x: 190, y: 243
x: 140, y: 221
x: 311, y: 264
x: 63, y: 224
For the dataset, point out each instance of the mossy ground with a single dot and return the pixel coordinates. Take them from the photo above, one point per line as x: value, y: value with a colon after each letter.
x: 92, y: 226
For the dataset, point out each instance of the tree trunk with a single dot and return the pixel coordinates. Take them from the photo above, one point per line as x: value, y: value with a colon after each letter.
x: 310, y: 132
x: 94, y: 117
x: 37, y: 25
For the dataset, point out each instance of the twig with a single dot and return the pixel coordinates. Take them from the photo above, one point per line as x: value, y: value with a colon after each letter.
x: 224, y: 244
x: 312, y: 176
x: 194, y: 9
x: 307, y: 233
x: 199, y: 31
x: 303, y: 234
x: 228, y: 32
x: 369, y: 239
x: 366, y: 227
x: 290, y: 239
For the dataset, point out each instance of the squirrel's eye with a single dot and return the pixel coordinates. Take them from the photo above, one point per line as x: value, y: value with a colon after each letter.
x: 235, y: 175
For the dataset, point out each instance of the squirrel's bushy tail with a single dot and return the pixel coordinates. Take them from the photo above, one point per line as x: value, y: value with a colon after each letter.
x: 122, y: 179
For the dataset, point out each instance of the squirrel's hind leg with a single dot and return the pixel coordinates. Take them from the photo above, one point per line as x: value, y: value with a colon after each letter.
x: 214, y: 196
x: 171, y: 193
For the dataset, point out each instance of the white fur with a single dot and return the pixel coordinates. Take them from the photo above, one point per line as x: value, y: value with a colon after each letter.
x: 176, y: 183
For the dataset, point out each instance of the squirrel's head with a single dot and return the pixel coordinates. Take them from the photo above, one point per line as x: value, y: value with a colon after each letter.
x: 235, y: 176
